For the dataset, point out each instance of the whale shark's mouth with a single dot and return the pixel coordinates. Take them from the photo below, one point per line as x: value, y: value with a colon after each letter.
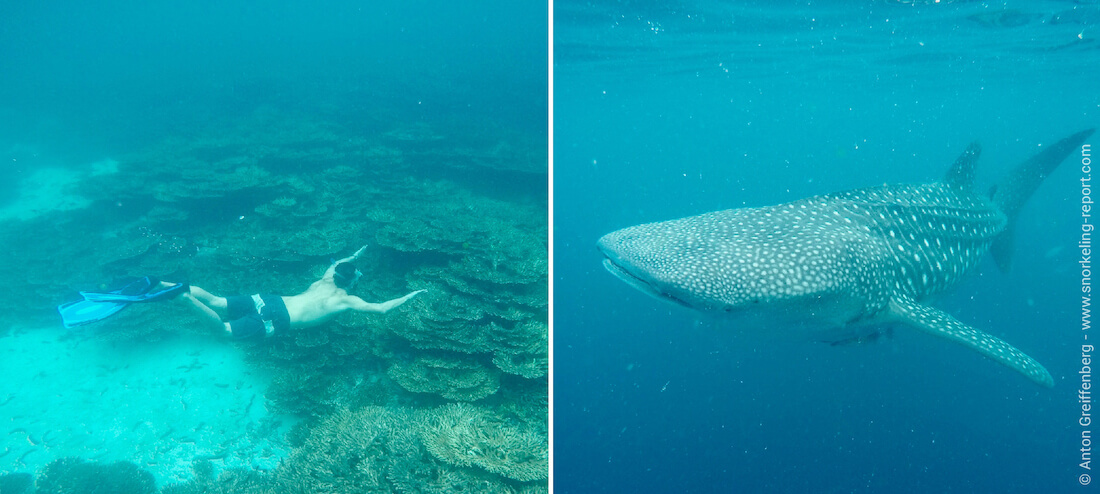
x: 638, y: 282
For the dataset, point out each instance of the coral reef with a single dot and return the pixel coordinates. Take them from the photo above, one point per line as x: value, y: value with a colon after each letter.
x: 466, y: 435
x: 451, y: 376
x: 233, y: 481
x: 349, y: 452
x: 16, y: 483
x: 489, y: 296
x: 473, y: 145
x: 376, y: 449
x: 74, y: 475
x: 262, y: 204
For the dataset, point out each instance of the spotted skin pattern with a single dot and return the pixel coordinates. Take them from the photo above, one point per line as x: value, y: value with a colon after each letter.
x: 840, y: 266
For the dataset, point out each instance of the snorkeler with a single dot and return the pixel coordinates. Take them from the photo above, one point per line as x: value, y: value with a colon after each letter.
x: 244, y: 316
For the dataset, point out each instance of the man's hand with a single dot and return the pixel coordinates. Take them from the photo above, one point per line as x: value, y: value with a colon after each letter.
x: 332, y: 268
x: 411, y: 295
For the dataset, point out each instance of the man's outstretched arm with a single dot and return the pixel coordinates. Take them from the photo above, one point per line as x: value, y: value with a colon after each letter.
x: 332, y: 269
x: 358, y: 304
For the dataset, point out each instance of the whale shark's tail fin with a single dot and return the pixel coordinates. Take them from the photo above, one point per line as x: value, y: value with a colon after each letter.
x: 1011, y: 194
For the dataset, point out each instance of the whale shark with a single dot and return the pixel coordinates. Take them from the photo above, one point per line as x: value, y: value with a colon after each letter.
x: 847, y: 266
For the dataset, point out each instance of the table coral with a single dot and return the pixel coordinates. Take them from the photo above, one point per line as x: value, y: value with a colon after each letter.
x: 489, y: 296
x: 454, y: 377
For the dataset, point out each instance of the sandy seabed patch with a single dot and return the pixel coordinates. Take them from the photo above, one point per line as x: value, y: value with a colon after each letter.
x: 158, y: 404
x: 54, y: 189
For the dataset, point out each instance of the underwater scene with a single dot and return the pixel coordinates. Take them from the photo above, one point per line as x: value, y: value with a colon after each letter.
x: 149, y: 150
x: 667, y: 110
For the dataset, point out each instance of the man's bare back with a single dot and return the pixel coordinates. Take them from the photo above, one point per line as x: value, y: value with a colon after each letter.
x: 244, y: 316
x: 323, y: 300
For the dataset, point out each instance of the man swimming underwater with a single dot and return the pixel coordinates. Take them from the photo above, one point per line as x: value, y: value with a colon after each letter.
x: 245, y: 316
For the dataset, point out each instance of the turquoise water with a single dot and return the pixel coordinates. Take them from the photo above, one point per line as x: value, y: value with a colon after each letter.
x: 665, y: 110
x: 241, y: 148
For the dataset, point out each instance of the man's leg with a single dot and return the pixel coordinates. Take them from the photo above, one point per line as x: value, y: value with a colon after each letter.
x: 212, y: 317
x: 211, y: 301
x: 212, y: 306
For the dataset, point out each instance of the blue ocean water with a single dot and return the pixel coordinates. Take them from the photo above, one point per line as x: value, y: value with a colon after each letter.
x: 115, y: 73
x: 242, y: 147
x: 664, y: 110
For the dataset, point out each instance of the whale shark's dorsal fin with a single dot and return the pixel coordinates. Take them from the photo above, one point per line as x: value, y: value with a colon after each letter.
x: 961, y: 174
x: 1011, y: 194
x: 939, y: 323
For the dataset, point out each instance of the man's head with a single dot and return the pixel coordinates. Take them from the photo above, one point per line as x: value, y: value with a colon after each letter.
x: 346, y: 275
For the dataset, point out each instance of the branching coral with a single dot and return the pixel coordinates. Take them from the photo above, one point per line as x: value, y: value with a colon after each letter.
x: 345, y: 453
x: 375, y: 449
x: 372, y: 449
x: 466, y: 435
x: 233, y: 481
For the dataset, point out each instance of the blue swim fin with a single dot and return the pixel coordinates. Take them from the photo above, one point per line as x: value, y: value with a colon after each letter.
x: 82, y: 312
x: 147, y: 296
x: 98, y: 306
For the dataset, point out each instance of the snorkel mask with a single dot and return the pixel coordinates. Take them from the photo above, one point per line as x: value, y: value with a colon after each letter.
x: 346, y: 275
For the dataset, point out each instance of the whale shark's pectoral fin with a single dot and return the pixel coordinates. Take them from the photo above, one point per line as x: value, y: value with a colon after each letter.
x: 937, y: 322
